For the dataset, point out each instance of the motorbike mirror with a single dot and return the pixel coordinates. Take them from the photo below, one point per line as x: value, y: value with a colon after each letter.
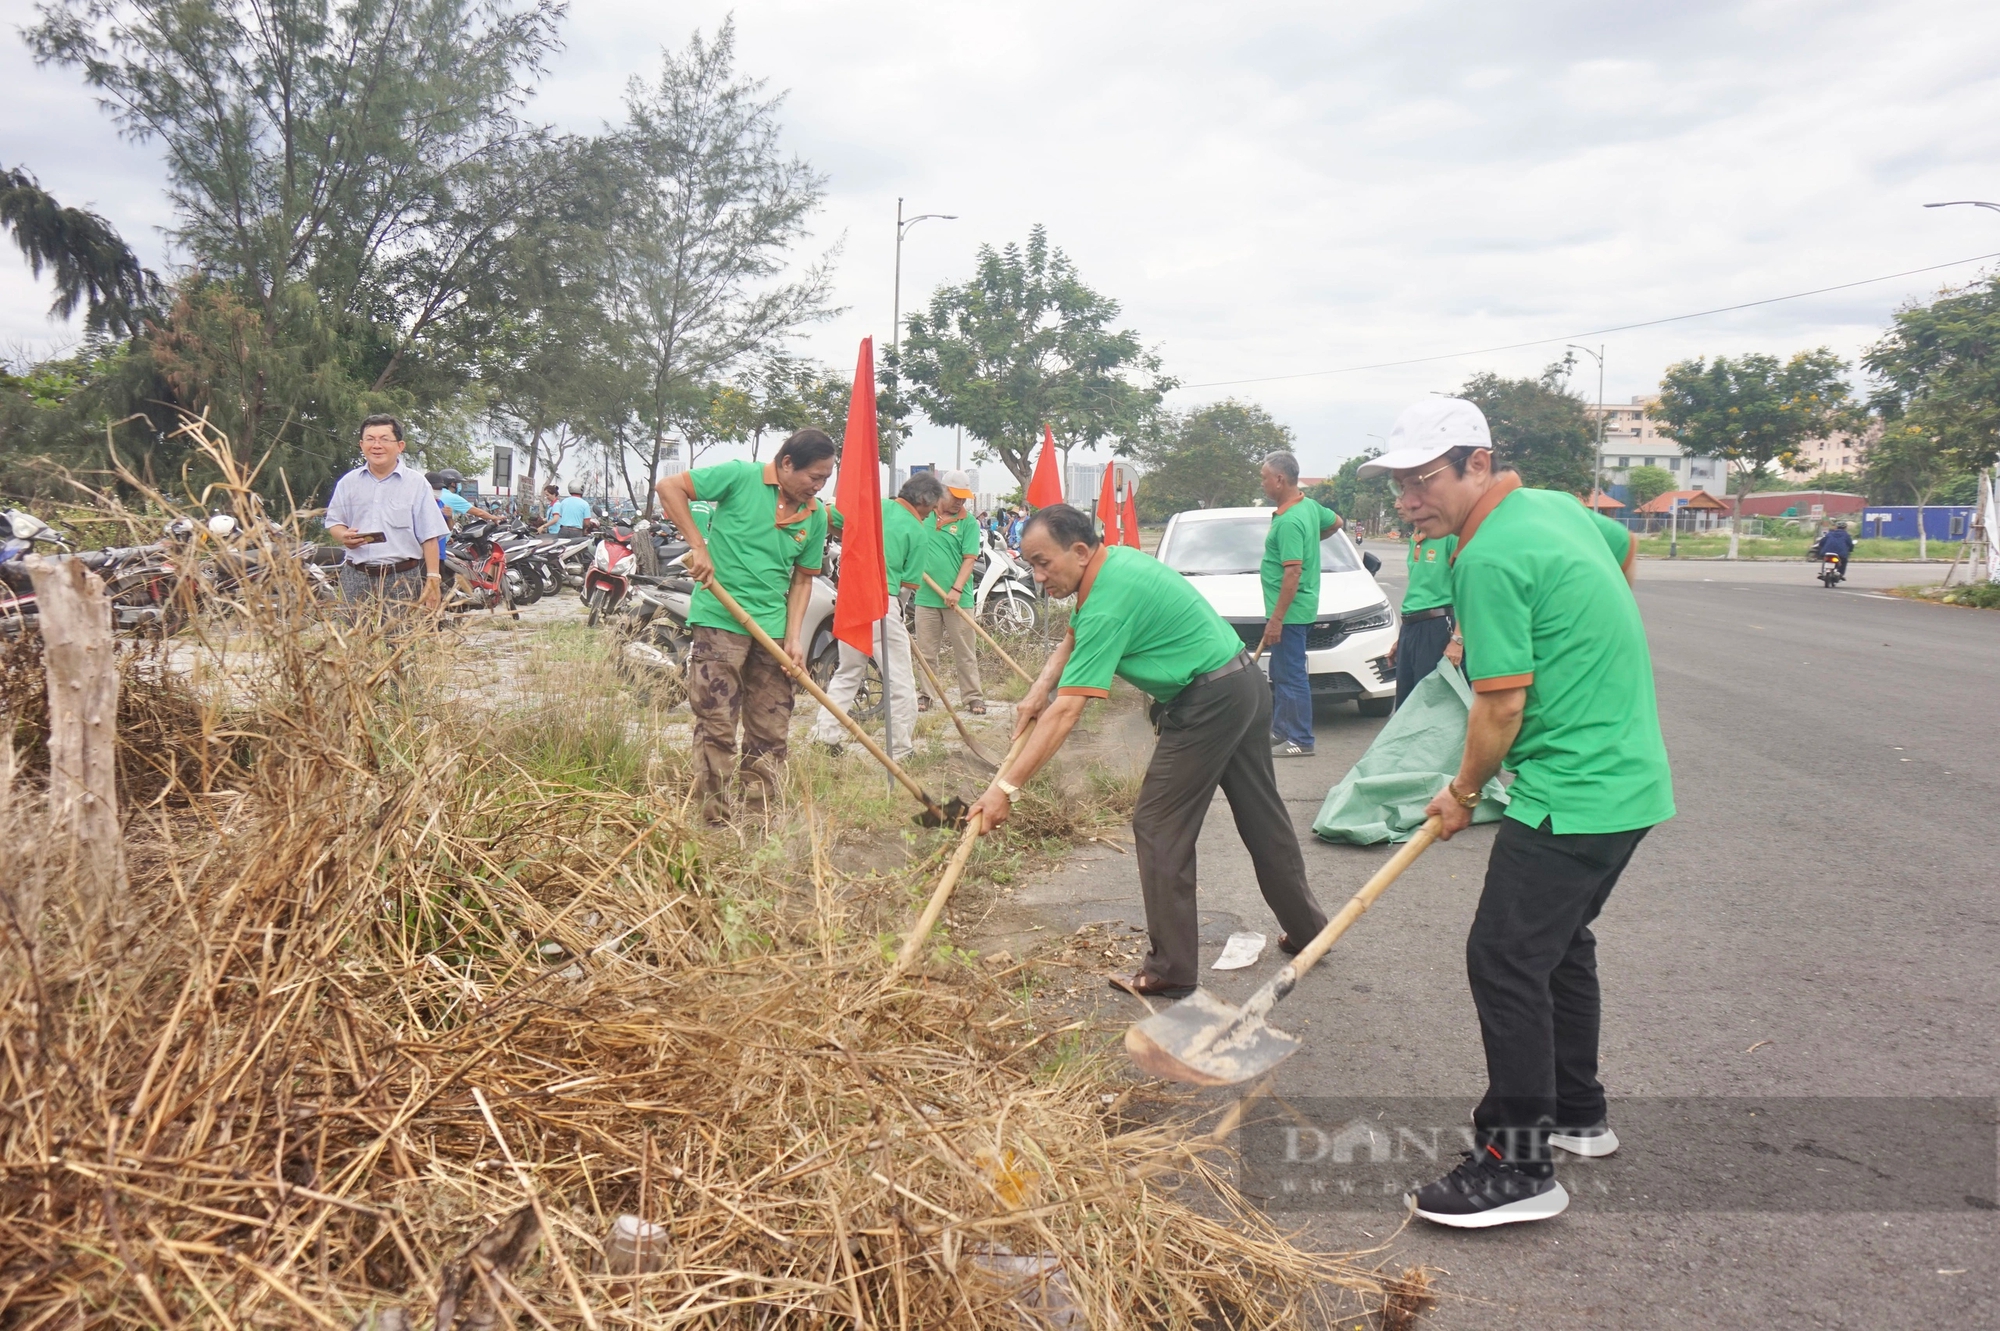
x: 26, y: 525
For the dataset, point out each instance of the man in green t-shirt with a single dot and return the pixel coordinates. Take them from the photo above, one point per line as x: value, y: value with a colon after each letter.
x: 762, y: 543
x: 1139, y: 620
x: 1563, y: 696
x: 903, y: 538
x: 1290, y: 571
x: 1428, y: 635
x: 948, y: 556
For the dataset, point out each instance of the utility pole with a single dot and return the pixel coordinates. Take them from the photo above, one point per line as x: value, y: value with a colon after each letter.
x: 896, y: 317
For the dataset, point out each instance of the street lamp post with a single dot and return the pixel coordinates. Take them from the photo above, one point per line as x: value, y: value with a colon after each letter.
x: 903, y: 226
x: 1598, y: 356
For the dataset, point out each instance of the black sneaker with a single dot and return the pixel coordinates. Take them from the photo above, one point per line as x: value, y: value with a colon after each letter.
x: 1485, y: 1190
x: 1593, y: 1143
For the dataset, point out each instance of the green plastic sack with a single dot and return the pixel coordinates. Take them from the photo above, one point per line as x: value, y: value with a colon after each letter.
x: 1382, y: 797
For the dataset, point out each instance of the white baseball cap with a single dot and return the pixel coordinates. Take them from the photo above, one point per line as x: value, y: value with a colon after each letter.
x: 1429, y: 430
x: 958, y: 482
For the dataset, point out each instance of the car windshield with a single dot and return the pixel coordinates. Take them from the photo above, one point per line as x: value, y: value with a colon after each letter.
x: 1236, y: 545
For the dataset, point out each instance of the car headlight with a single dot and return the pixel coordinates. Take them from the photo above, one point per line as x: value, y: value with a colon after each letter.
x: 1375, y: 617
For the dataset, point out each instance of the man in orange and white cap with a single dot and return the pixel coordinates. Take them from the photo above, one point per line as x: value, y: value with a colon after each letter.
x: 948, y: 556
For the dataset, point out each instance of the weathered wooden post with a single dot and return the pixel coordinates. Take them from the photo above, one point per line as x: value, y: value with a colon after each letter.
x: 83, y: 733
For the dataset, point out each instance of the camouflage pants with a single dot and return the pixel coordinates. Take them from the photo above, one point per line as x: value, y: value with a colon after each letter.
x: 732, y: 679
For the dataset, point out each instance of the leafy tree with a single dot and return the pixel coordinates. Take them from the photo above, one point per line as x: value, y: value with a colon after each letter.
x: 1910, y: 462
x: 1753, y: 411
x: 342, y: 174
x: 1645, y: 484
x: 701, y: 241
x: 1941, y: 362
x: 1540, y: 429
x: 1208, y: 458
x: 94, y: 269
x: 1026, y: 344
x: 1372, y: 501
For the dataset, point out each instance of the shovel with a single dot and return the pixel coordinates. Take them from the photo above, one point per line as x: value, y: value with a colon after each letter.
x: 935, y: 906
x: 949, y: 814
x: 1203, y: 1040
x: 978, y: 754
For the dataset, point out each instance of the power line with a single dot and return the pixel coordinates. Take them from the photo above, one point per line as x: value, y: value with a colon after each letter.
x: 1595, y: 332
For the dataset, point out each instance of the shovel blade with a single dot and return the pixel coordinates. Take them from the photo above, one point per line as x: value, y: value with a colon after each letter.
x: 952, y: 813
x: 1203, y: 1041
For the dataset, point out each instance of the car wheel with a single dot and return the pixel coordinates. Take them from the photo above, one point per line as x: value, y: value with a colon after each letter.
x: 1376, y: 706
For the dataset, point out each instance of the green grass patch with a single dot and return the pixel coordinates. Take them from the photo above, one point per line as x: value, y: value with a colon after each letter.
x: 1711, y: 546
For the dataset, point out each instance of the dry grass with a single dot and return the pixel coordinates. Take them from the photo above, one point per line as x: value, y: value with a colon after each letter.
x: 385, y: 985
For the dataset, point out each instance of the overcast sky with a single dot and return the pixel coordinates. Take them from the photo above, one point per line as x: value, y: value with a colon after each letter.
x: 1277, y: 189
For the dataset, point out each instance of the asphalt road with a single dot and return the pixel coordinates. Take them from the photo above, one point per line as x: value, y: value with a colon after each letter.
x: 1822, y: 919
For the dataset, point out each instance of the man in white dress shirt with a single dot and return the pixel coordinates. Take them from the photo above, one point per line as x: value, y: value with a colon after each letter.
x: 383, y: 512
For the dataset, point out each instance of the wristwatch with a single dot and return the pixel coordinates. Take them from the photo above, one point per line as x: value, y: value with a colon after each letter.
x: 1007, y: 788
x: 1464, y: 801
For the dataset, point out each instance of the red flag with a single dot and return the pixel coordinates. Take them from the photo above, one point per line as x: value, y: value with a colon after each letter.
x: 864, y: 578
x: 1045, y: 487
x: 1132, y: 514
x: 1107, y: 503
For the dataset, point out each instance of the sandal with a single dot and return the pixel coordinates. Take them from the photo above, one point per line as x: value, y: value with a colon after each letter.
x: 923, y: 703
x: 1148, y: 986
x: 975, y: 709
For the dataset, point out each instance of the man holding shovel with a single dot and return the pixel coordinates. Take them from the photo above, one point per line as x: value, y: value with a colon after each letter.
x: 1139, y: 620
x: 1563, y: 697
x: 763, y: 543
x: 904, y: 535
x: 948, y: 558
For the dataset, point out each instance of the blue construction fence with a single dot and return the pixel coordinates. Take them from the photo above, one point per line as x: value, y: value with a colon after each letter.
x: 1898, y: 522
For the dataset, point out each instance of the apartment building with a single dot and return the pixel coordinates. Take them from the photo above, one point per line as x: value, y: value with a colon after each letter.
x: 1633, y: 439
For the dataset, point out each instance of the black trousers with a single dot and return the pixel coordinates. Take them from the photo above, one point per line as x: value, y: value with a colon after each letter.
x: 1532, y: 963
x: 1419, y: 648
x: 1213, y: 734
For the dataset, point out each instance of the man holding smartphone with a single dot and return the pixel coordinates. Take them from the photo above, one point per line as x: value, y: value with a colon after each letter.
x: 384, y: 514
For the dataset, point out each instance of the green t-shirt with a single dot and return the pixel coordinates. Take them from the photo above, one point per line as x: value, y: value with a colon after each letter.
x: 1146, y: 624
x: 903, y: 537
x: 1540, y: 605
x: 951, y: 540
x: 754, y: 554
x: 1617, y: 537
x: 1430, y: 574
x: 1294, y: 535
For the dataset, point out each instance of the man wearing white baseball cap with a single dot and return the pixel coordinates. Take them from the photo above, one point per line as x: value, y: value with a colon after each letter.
x: 954, y: 544
x: 1563, y: 697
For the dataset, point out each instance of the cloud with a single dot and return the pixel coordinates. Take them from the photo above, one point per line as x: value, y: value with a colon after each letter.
x: 1278, y: 188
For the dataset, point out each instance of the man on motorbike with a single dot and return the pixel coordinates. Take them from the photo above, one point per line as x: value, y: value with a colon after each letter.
x: 1835, y: 544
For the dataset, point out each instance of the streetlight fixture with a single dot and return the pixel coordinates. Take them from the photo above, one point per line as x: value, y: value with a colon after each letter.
x: 1966, y: 203
x: 903, y: 226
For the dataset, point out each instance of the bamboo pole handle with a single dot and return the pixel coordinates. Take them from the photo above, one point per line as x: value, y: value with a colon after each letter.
x: 933, y: 908
x: 980, y: 629
x: 805, y: 680
x: 944, y: 702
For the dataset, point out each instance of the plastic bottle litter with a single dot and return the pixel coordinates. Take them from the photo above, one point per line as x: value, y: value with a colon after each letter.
x: 634, y: 1246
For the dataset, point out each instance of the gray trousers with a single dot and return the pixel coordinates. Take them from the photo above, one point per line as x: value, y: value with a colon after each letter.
x: 939, y: 624
x: 369, y: 594
x: 1215, y: 734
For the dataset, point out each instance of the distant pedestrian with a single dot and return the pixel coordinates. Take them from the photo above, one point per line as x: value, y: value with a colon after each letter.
x: 763, y: 542
x: 1563, y: 696
x: 1290, y: 572
x: 948, y: 559
x: 569, y: 516
x: 905, y: 534
x: 384, y: 514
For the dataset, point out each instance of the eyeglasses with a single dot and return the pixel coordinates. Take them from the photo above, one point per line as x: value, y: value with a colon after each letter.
x: 1418, y: 482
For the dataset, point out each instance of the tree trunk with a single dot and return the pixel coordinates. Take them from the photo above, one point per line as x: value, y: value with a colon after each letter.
x: 83, y: 735
x: 1736, y: 518
x: 1923, y: 545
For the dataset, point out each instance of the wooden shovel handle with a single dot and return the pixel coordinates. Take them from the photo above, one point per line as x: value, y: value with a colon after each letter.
x: 1359, y: 903
x: 980, y: 629
x: 944, y: 702
x: 935, y: 906
x: 805, y: 681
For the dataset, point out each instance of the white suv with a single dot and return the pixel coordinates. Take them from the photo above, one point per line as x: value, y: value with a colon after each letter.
x: 1219, y: 551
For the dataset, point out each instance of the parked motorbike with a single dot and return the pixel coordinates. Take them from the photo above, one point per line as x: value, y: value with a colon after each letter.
x: 478, y: 565
x: 1005, y: 593
x: 19, y: 533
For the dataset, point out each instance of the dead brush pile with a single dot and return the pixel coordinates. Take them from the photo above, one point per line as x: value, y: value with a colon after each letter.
x: 391, y: 1026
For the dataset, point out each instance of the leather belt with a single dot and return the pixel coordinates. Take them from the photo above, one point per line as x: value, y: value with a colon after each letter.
x: 382, y: 568
x: 1435, y: 612
x: 1241, y: 661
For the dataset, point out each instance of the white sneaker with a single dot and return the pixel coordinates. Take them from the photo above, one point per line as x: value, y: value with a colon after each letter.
x: 1591, y: 1143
